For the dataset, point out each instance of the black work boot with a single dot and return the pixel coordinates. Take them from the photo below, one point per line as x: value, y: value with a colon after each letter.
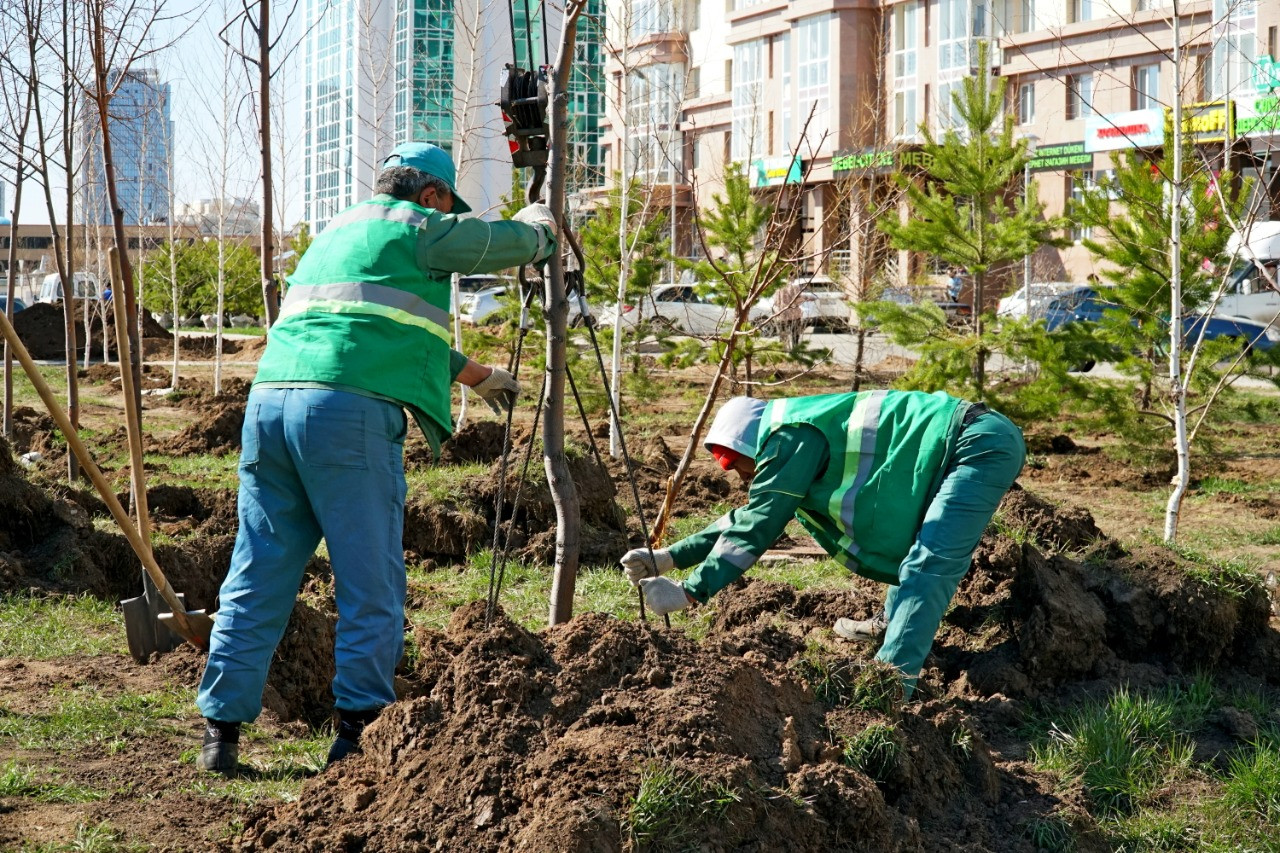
x: 221, y: 749
x: 350, y: 726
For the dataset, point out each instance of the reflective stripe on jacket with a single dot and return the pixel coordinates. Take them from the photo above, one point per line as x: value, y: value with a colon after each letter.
x: 889, y: 451
x: 368, y: 306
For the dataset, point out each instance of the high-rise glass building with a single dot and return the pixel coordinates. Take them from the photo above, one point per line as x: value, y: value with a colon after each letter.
x: 383, y: 72
x: 141, y: 150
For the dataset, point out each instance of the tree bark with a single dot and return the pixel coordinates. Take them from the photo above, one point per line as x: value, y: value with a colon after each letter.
x: 101, y: 98
x: 11, y: 285
x: 270, y: 291
x: 564, y: 493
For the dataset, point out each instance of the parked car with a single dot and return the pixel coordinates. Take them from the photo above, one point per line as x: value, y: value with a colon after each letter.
x: 483, y: 305
x: 679, y: 306
x: 1249, y: 294
x: 823, y: 304
x: 1042, y: 293
x: 18, y: 304
x: 84, y: 285
x: 1088, y: 304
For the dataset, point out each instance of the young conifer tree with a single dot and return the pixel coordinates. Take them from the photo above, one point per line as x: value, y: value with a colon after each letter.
x: 968, y: 208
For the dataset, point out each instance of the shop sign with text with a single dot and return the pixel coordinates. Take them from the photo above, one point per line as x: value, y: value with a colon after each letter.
x: 1061, y: 157
x: 879, y: 160
x: 1208, y: 122
x: 1258, y: 116
x: 1266, y: 74
x: 776, y: 171
x: 1133, y: 129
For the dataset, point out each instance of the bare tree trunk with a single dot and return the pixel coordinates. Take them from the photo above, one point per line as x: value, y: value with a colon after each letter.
x: 270, y: 290
x: 980, y: 358
x: 101, y: 98
x: 59, y: 254
x: 1177, y: 384
x: 563, y: 492
x: 11, y: 285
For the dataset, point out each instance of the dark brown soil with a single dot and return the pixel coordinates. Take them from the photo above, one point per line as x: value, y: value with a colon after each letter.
x: 42, y: 328
x: 518, y: 741
x: 217, y: 430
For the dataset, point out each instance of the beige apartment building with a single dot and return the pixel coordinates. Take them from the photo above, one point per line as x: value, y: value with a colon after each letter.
x: 707, y: 82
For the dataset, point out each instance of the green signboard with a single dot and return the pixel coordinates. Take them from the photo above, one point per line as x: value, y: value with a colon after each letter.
x: 876, y: 160
x: 1062, y: 157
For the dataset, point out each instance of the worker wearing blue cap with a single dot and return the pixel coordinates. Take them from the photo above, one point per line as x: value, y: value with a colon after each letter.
x: 363, y: 334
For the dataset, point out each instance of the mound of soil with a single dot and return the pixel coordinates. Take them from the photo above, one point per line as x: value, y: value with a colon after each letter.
x: 539, y: 742
x: 42, y: 328
x: 32, y: 431
x: 216, y: 431
x: 205, y: 348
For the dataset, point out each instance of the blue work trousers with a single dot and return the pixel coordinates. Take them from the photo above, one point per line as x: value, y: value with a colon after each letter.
x: 315, y: 462
x: 988, y: 457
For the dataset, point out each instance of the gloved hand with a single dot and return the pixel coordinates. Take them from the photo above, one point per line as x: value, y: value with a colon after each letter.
x: 499, y: 389
x: 663, y: 595
x: 539, y: 215
x: 636, y: 564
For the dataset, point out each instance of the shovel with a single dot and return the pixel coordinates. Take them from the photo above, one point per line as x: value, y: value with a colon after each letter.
x: 147, y: 627
x: 194, y: 626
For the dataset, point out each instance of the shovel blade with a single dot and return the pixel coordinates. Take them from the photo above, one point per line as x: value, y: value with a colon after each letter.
x: 139, y: 628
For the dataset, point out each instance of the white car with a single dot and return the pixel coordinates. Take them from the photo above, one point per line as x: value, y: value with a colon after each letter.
x: 823, y: 304
x: 679, y: 306
x: 1042, y: 293
x: 483, y: 305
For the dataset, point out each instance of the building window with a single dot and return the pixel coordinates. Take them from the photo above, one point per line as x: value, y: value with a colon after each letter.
x: 1028, y: 16
x: 906, y: 39
x: 1233, y: 59
x: 1078, y: 183
x: 35, y: 242
x: 653, y: 111
x: 748, y: 93
x: 649, y: 17
x: 813, y: 70
x: 906, y: 29
x: 1079, y: 96
x: 1026, y: 103
x: 906, y: 121
x: 953, y: 36
x: 1081, y: 10
x: 1146, y: 87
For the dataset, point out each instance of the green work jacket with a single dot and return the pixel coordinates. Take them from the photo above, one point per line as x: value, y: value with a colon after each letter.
x: 367, y: 309
x: 857, y: 470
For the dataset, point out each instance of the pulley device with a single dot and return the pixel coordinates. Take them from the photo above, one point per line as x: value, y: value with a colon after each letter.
x: 524, y: 108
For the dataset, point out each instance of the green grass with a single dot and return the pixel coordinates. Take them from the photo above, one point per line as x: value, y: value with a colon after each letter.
x: 22, y: 781
x: 1053, y: 834
x: 95, y: 838
x: 270, y: 768
x: 1224, y: 485
x: 1251, y: 791
x: 673, y: 807
x: 1120, y: 750
x: 37, y: 628
x: 849, y: 682
x: 441, y: 483
x: 85, y: 716
x: 1233, y: 577
x: 203, y: 471
x: 874, y: 751
x: 1270, y: 536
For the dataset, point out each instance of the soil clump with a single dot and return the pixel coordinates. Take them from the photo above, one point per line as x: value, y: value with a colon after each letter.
x: 217, y: 430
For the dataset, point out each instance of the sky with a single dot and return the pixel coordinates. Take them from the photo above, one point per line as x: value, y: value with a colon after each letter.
x: 205, y: 85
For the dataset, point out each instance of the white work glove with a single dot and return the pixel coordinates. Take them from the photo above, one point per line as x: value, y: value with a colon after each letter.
x: 663, y: 595
x: 637, y: 564
x: 499, y: 389
x: 539, y: 216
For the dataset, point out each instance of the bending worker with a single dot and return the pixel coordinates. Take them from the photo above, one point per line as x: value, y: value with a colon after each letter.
x: 896, y: 485
x: 363, y: 334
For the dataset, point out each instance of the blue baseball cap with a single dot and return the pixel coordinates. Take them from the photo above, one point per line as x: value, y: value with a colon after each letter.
x: 431, y: 160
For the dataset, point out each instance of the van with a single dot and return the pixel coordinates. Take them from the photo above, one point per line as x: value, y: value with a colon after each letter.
x: 1248, y: 293
x: 84, y: 285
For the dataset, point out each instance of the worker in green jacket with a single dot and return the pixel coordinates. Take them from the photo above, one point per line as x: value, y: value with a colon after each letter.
x: 898, y: 486
x: 363, y: 334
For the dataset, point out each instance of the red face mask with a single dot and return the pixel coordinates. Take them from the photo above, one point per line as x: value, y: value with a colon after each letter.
x: 725, y: 456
